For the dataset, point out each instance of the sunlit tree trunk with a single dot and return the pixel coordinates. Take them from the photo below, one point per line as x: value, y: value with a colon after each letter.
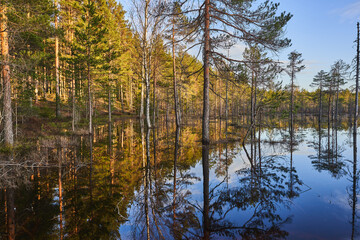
x: 8, y: 124
x: 122, y: 98
x: 176, y: 100
x: 206, y: 102
x: 146, y: 65
x: 131, y: 96
x: 57, y: 73
x: 154, y: 100
x: 142, y: 102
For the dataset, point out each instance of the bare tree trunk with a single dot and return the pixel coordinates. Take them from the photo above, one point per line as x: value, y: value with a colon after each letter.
x: 142, y: 101
x: 252, y: 120
x: 356, y: 115
x: 177, y: 110
x: 220, y: 100
x: 122, y: 98
x: 90, y: 100
x: 131, y: 96
x: 292, y: 102
x: 320, y: 105
x: 329, y: 110
x: 206, y: 102
x: 30, y: 82
x: 337, y: 106
x: 216, y: 101
x: 154, y: 101
x: 73, y: 102
x: 226, y: 102
x: 36, y: 90
x: 146, y: 65
x: 109, y: 104
x: 8, y: 124
x: 57, y: 64
x: 148, y: 121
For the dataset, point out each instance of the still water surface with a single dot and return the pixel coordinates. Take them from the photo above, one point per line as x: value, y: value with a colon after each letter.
x: 132, y: 183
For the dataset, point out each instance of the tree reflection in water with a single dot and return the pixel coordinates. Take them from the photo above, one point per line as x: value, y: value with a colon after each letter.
x: 353, y: 190
x: 129, y: 182
x: 329, y: 156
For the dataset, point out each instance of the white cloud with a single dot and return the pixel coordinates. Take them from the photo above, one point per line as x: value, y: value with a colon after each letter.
x: 237, y: 50
x: 349, y: 12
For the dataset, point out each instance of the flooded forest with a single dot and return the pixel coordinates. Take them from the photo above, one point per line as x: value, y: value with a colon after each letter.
x: 150, y: 123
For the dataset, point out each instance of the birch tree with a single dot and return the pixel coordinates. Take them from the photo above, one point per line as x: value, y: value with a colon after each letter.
x: 146, y: 18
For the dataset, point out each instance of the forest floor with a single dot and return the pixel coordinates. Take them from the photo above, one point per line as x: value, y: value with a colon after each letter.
x: 39, y: 120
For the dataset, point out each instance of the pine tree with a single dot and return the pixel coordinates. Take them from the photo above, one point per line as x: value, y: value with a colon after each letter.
x: 294, y: 66
x: 319, y: 81
x: 90, y: 34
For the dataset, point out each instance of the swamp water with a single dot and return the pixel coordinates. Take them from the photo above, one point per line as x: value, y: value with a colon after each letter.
x: 154, y: 184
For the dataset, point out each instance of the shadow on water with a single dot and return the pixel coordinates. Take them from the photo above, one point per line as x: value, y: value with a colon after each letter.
x: 130, y: 182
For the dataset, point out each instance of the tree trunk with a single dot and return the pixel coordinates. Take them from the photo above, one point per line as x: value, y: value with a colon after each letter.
x: 142, y: 101
x: 146, y: 66
x: 148, y: 121
x: 252, y: 110
x: 206, y: 103
x: 320, y: 105
x: 109, y: 104
x: 8, y: 124
x: 36, y: 90
x: 122, y: 98
x: 57, y: 64
x: 336, y: 107
x: 90, y: 100
x: 73, y: 102
x: 292, y: 102
x: 177, y: 110
x: 154, y: 101
x: 226, y: 102
x: 131, y: 96
x: 356, y: 115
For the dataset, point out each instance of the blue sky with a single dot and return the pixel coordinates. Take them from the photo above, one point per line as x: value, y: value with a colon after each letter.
x: 322, y: 30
